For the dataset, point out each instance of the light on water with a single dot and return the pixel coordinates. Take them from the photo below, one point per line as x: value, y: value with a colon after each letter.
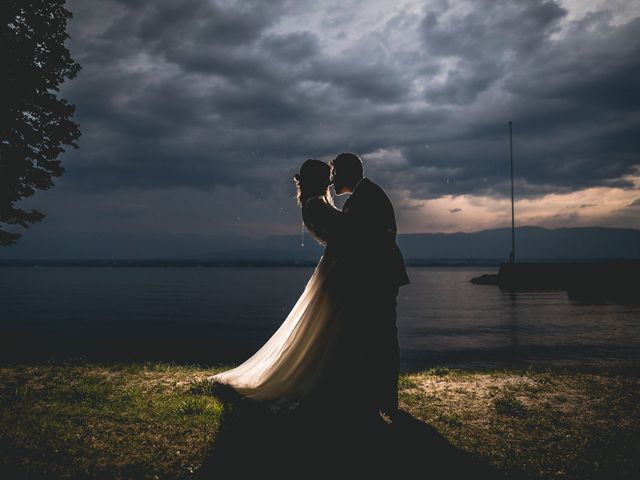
x: 442, y: 318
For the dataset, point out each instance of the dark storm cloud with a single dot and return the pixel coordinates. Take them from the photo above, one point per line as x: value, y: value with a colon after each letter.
x: 294, y: 47
x: 203, y: 93
x: 202, y: 23
x: 482, y: 42
x: 162, y: 97
x: 573, y: 97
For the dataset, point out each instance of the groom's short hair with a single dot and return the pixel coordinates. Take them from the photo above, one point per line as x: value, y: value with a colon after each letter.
x: 349, y: 164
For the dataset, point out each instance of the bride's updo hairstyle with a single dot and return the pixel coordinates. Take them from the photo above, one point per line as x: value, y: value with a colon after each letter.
x: 313, y: 181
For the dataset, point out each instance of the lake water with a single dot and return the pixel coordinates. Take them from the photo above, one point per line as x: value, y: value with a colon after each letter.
x: 222, y: 315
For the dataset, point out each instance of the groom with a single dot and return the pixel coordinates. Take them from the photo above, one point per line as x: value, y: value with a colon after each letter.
x: 375, y: 272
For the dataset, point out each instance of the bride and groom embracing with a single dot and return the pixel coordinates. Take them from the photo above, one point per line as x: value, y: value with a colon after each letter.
x: 337, y: 349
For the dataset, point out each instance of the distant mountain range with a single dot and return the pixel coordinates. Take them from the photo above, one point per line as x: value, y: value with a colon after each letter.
x: 486, y: 246
x: 532, y: 243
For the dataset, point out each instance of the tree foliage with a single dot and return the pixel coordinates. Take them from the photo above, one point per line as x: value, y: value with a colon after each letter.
x: 34, y: 123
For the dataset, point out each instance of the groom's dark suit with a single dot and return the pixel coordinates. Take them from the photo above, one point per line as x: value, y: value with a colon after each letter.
x: 375, y: 272
x: 371, y: 230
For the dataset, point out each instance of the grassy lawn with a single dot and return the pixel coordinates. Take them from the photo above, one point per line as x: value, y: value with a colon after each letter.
x: 105, y: 420
x: 550, y: 425
x: 160, y: 420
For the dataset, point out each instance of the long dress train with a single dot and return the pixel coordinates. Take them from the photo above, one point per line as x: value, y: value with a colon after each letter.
x: 305, y: 354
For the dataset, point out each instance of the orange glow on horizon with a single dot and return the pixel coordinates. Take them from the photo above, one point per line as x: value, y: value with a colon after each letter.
x: 597, y: 206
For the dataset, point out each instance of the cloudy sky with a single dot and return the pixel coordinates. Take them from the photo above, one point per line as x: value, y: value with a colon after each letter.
x: 195, y: 114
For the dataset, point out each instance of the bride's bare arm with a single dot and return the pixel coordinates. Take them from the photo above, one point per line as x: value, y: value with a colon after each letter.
x: 324, y: 220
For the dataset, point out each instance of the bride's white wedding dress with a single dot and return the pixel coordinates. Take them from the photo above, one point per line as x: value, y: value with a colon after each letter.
x: 293, y: 363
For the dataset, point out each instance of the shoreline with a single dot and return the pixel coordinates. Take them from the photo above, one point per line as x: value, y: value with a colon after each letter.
x: 193, y: 346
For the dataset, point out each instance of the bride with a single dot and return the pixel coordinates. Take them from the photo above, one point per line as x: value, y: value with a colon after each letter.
x: 305, y: 358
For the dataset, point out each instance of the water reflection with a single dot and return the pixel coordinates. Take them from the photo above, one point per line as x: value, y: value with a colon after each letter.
x: 223, y: 314
x: 513, y: 318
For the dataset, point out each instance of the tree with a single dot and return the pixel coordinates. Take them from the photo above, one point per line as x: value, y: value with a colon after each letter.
x: 34, y: 122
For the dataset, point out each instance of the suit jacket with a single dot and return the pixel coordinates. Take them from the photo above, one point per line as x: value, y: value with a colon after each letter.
x: 369, y: 236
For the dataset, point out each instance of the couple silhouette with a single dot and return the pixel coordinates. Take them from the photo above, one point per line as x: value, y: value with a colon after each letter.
x: 337, y: 349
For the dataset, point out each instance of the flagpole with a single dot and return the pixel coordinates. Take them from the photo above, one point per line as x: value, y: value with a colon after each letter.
x: 512, y: 256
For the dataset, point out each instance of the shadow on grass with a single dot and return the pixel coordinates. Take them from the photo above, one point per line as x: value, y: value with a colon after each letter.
x: 302, y: 443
